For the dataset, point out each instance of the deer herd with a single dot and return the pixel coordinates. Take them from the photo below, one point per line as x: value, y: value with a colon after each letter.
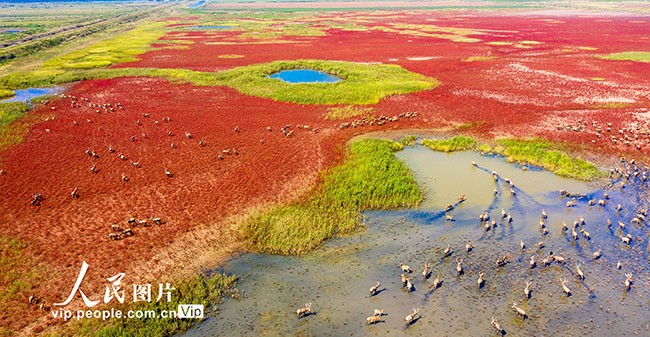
x: 578, y: 232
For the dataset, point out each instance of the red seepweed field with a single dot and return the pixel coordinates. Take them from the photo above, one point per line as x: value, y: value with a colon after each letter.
x: 501, y: 75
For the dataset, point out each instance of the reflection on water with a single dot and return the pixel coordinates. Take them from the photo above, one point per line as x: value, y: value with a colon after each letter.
x: 24, y: 95
x: 304, y: 76
x: 336, y: 277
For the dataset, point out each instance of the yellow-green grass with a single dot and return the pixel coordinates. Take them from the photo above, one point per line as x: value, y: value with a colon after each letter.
x: 119, y: 49
x: 638, y: 56
x: 371, y: 178
x: 550, y: 156
x: 231, y: 56
x: 10, y: 111
x: 539, y: 152
x: 499, y: 43
x: 408, y: 140
x: 347, y: 111
x: 530, y: 42
x: 448, y: 33
x: 456, y: 143
x: 361, y: 84
x: 612, y: 105
x: 479, y: 58
x: 19, y: 274
x: 6, y: 93
x: 10, y: 133
x: 206, y: 290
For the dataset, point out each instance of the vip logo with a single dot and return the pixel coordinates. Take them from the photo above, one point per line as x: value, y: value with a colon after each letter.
x: 190, y: 311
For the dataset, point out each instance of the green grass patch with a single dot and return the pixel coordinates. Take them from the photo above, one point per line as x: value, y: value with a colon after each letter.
x: 118, y: 49
x: 371, y: 178
x: 536, y: 152
x: 6, y: 93
x: 10, y: 111
x: 409, y: 140
x: 346, y: 112
x: 19, y: 274
x: 456, y: 143
x: 638, y: 56
x: 361, y: 84
x: 543, y: 153
x: 201, y: 289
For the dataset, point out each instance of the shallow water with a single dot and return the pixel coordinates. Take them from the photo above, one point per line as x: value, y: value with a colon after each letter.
x: 337, y: 276
x: 196, y: 4
x: 24, y: 95
x: 304, y: 76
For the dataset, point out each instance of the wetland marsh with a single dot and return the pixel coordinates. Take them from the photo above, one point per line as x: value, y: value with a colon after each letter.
x: 336, y: 277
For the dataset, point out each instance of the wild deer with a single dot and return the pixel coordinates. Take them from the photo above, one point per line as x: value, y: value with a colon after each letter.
x: 480, y: 280
x: 597, y: 254
x: 502, y: 261
x: 304, y: 311
x: 411, y: 317
x: 459, y: 267
x: 527, y: 289
x: 436, y: 283
x: 405, y: 268
x: 374, y: 289
x: 373, y: 320
x: 409, y: 285
x: 496, y: 325
x: 425, y: 271
x: 628, y: 281
x: 469, y: 247
x: 520, y: 312
x: 447, y: 251
x: 566, y: 289
x: 581, y: 275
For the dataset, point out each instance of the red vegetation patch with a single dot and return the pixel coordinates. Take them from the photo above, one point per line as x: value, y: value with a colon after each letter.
x: 522, y: 92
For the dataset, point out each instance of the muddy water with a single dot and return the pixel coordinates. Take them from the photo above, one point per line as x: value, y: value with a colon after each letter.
x: 336, y: 277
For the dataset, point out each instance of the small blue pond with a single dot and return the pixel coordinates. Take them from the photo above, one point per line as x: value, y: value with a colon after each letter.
x: 304, y: 76
x: 12, y: 31
x: 197, y: 4
x: 210, y: 27
x: 24, y: 95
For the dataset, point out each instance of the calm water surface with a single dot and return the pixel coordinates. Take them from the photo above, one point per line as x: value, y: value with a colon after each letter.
x: 304, y: 76
x: 24, y: 95
x: 336, y: 277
